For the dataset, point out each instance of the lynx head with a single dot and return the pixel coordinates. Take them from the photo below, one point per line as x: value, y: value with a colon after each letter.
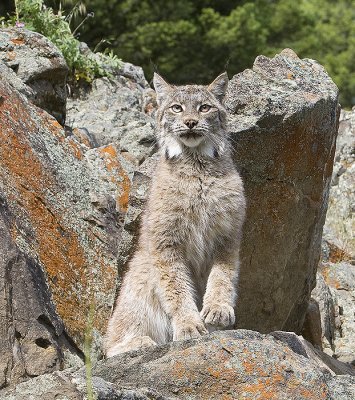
x: 191, y: 118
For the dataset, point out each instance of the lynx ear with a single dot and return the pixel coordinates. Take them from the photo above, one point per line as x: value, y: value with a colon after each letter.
x: 161, y: 87
x: 219, y: 86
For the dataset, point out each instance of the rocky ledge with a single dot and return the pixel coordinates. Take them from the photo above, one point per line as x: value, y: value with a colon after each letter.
x: 223, y: 365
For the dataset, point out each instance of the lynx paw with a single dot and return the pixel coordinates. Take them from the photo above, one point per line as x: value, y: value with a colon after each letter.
x: 134, y: 343
x: 188, y: 327
x: 218, y: 316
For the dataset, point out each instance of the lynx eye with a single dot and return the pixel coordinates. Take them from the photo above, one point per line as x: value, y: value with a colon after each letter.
x: 176, y: 108
x: 205, y: 108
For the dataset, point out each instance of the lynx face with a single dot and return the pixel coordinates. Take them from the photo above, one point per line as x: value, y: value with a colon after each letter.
x: 191, y: 116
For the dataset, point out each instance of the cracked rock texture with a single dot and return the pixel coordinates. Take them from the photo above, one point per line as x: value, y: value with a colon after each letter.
x: 335, y: 290
x: 62, y: 208
x: 40, y: 67
x: 335, y: 293
x: 223, y: 365
x: 113, y: 111
x: 340, y: 223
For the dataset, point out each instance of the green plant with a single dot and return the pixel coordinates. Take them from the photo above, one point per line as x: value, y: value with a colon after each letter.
x: 56, y: 27
x: 87, y: 352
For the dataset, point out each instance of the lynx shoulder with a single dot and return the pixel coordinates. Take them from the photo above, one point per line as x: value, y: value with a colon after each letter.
x: 182, y: 280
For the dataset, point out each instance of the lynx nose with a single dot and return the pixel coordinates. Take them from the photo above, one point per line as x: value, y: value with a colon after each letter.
x: 191, y: 123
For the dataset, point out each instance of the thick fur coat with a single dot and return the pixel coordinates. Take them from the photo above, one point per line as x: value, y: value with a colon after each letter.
x: 182, y: 280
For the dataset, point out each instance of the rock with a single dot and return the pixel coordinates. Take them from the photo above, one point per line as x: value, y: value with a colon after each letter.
x: 32, y: 338
x: 134, y: 73
x: 39, y: 65
x: 283, y: 124
x: 342, y: 387
x: 301, y: 346
x: 64, y: 206
x: 231, y: 364
x: 340, y: 222
x: 226, y: 364
x: 324, y: 298
x: 112, y: 111
x: 340, y: 279
x: 312, y: 327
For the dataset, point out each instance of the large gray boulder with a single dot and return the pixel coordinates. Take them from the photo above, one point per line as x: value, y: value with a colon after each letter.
x: 223, y: 365
x: 39, y: 65
x: 62, y: 206
x: 340, y: 222
x: 113, y: 111
x: 283, y: 124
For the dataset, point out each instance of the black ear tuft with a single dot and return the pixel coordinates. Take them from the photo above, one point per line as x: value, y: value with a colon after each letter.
x: 161, y: 87
x: 219, y: 86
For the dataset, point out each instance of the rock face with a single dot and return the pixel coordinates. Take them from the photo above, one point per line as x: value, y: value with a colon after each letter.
x: 283, y: 122
x: 336, y: 285
x: 62, y: 208
x: 32, y: 336
x: 334, y: 292
x: 223, y: 365
x: 340, y: 222
x: 39, y: 65
x: 113, y: 112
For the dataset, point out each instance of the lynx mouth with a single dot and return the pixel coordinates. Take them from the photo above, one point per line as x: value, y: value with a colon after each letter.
x: 191, y: 139
x: 191, y: 135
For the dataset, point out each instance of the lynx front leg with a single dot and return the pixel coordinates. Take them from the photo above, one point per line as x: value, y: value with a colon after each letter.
x: 177, y: 298
x: 219, y: 299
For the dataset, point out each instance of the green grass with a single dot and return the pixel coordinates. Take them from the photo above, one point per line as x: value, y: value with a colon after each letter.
x: 56, y: 27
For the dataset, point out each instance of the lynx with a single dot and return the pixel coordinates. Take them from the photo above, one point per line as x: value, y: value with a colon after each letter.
x: 181, y: 282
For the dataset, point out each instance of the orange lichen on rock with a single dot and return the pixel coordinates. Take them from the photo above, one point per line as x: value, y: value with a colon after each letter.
x: 75, y: 146
x: 28, y: 180
x: 110, y: 158
x: 17, y: 41
x: 330, y: 279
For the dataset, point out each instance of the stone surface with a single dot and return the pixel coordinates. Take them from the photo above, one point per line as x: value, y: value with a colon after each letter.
x: 64, y: 205
x: 32, y: 336
x: 340, y: 278
x: 113, y: 111
x: 335, y: 280
x: 283, y: 124
x: 39, y: 65
x: 223, y: 365
x: 229, y: 365
x: 312, y: 327
x: 340, y: 222
x: 324, y: 298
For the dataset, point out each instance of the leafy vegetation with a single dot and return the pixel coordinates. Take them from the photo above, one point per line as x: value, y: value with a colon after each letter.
x: 194, y: 40
x: 35, y: 16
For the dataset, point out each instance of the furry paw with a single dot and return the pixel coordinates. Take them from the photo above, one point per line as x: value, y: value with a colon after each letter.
x: 188, y: 327
x: 218, y: 316
x: 134, y: 343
